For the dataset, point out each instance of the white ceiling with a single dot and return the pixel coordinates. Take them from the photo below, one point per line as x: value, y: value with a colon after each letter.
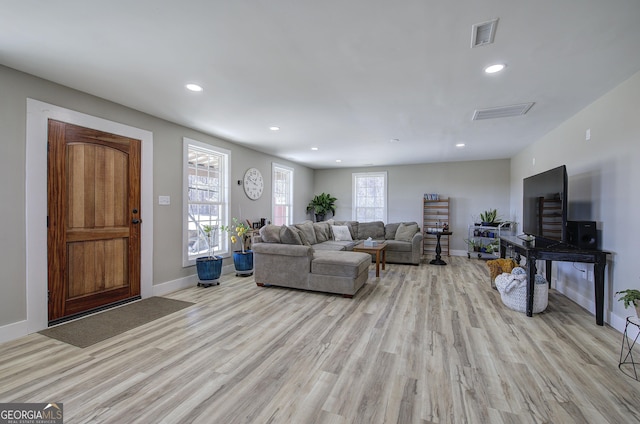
x: 346, y: 76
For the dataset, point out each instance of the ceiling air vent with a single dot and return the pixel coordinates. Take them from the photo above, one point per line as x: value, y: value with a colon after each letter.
x: 502, y: 111
x: 483, y: 33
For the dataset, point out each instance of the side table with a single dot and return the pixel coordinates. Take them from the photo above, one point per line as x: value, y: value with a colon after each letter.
x: 628, y: 342
x: 379, y: 250
x: 438, y: 260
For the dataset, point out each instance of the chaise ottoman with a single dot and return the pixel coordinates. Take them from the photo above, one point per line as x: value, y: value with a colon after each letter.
x: 338, y: 271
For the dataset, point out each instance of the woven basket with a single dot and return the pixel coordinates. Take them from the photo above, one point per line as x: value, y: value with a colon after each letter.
x: 514, y: 294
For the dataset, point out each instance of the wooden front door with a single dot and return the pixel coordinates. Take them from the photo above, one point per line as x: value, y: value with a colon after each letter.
x: 93, y: 238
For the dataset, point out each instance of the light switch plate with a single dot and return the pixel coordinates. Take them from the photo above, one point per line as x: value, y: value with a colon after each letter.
x: 164, y: 200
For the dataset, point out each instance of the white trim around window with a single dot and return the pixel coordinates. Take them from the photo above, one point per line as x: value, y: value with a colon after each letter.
x: 282, y: 194
x: 205, y: 198
x: 369, y: 194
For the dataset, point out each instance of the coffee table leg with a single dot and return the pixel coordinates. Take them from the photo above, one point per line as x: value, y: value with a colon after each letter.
x: 377, y: 263
x: 384, y: 258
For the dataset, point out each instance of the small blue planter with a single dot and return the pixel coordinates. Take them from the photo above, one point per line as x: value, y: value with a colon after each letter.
x: 209, y: 270
x: 243, y: 262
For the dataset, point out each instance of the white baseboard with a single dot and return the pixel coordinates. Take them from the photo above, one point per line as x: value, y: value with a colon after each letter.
x: 13, y: 331
x: 588, y: 303
x: 184, y: 282
x: 174, y: 285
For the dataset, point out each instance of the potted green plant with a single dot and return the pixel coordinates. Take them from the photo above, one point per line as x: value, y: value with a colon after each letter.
x: 321, y: 205
x: 489, y: 218
x: 630, y: 297
x: 242, y: 259
x: 209, y: 267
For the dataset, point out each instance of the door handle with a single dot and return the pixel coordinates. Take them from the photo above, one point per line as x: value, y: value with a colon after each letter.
x: 136, y: 221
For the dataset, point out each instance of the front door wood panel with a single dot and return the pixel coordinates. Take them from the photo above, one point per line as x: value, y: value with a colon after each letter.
x: 94, y: 216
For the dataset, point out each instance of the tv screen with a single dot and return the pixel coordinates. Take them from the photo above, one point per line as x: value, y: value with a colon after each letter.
x: 544, y: 205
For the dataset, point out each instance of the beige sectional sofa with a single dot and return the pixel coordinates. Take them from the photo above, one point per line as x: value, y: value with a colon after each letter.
x: 317, y: 256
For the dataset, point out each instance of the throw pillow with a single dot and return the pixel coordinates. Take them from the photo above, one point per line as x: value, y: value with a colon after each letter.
x: 289, y: 235
x: 351, y: 225
x: 303, y: 237
x: 341, y: 233
x: 308, y: 230
x: 323, y: 231
x: 405, y: 232
x: 270, y: 233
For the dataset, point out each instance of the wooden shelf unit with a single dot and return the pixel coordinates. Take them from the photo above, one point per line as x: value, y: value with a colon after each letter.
x: 435, y: 213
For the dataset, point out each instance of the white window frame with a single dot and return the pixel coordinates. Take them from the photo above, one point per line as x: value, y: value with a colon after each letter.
x: 276, y: 167
x: 355, y: 200
x: 222, y: 249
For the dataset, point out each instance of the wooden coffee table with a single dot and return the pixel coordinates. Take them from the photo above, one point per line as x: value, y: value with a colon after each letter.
x: 380, y: 251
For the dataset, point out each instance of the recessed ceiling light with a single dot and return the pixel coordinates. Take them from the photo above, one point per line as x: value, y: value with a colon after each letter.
x: 314, y: 148
x: 494, y: 68
x: 460, y: 145
x: 193, y: 87
x: 338, y: 160
x: 274, y: 128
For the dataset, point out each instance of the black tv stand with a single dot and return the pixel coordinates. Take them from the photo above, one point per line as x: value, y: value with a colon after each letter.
x: 552, y: 250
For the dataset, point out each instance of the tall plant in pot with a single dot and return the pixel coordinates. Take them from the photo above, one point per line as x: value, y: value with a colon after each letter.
x: 322, y: 204
x: 209, y: 267
x: 242, y: 259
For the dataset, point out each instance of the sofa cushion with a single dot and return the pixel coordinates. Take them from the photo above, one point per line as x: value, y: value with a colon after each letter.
x: 398, y: 246
x: 405, y: 232
x: 323, y: 231
x: 270, y: 233
x: 289, y: 235
x: 374, y: 229
x: 309, y: 232
x: 341, y: 233
x: 390, y: 231
x: 335, y: 245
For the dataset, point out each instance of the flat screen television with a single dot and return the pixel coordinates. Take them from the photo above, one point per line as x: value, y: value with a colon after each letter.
x: 544, y: 204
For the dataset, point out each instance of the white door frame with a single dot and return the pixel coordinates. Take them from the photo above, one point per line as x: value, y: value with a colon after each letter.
x: 38, y: 114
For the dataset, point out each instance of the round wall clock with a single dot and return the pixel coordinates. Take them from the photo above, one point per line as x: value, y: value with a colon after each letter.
x: 253, y: 183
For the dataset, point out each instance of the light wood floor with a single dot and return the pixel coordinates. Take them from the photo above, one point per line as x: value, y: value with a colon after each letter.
x: 420, y: 344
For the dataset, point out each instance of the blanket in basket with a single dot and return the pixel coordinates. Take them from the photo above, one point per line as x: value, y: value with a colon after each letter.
x: 513, y: 290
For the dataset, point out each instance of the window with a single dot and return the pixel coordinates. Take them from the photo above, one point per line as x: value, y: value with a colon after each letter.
x: 282, y: 202
x: 370, y: 196
x: 205, y: 198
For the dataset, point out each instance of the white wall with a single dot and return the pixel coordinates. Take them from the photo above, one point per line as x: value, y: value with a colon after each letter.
x: 472, y: 187
x: 603, y: 174
x: 168, y: 273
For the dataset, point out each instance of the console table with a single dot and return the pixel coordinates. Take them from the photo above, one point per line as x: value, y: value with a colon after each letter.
x: 551, y: 250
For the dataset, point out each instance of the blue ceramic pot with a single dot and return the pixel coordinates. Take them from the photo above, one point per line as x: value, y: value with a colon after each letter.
x: 209, y: 268
x: 243, y: 262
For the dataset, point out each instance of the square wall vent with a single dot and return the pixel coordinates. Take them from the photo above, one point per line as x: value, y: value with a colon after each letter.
x: 502, y: 111
x: 483, y: 33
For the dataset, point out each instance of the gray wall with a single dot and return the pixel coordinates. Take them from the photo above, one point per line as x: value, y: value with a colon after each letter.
x: 603, y: 173
x: 167, y: 174
x: 472, y: 187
